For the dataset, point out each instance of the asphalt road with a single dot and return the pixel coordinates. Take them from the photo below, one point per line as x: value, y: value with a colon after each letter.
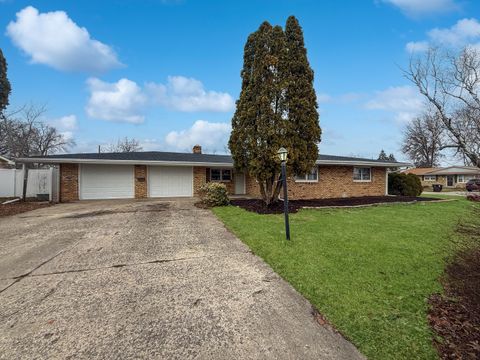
x: 146, y: 279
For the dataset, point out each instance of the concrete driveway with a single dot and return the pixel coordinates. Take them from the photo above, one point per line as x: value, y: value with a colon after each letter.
x: 146, y: 279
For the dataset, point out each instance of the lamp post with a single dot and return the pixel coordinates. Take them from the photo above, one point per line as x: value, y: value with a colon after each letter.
x: 282, y: 154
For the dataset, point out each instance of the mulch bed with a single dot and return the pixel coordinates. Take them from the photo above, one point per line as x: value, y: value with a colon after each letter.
x: 455, y: 315
x: 258, y: 206
x: 20, y: 207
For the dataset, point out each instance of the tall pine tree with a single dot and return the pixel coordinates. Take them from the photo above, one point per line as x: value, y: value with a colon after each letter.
x: 383, y: 155
x: 4, y: 84
x: 277, y: 107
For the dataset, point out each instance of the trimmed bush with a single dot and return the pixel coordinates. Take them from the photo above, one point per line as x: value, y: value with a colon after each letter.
x: 473, y: 197
x: 213, y: 194
x: 404, y: 184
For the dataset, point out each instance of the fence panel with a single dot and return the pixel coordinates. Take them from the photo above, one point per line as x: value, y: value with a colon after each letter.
x: 7, y: 182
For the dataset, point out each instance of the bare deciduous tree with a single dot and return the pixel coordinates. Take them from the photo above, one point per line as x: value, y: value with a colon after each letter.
x: 124, y: 145
x: 24, y: 133
x: 423, y: 139
x: 450, y: 83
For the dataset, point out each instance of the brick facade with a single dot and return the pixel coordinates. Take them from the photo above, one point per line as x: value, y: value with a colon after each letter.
x: 141, y: 187
x: 68, y: 182
x: 199, y: 178
x: 333, y: 182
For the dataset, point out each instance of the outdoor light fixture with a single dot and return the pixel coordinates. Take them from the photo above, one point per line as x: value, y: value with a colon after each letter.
x: 282, y: 154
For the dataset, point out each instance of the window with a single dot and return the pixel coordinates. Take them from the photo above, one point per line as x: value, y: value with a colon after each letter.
x: 464, y: 178
x: 362, y: 174
x: 312, y: 176
x: 430, y: 177
x: 220, y: 174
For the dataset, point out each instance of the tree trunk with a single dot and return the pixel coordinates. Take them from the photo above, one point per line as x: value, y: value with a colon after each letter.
x: 270, y: 189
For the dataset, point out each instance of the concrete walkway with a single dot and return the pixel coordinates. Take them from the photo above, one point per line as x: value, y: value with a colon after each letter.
x: 146, y: 279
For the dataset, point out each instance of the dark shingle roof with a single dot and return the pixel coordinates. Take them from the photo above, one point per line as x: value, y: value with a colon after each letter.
x: 186, y: 157
x: 145, y: 156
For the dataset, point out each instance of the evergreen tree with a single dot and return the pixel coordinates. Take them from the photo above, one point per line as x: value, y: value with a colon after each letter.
x: 383, y: 156
x: 301, y: 102
x: 277, y: 107
x: 391, y: 157
x: 4, y: 83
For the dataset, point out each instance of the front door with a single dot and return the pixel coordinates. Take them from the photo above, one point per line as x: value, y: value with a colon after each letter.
x: 450, y: 180
x: 239, y: 184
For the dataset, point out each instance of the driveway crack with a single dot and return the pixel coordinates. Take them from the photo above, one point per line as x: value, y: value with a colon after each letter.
x: 114, y: 266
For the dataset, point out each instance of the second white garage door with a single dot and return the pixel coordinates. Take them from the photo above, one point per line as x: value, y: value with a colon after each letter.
x: 106, y: 182
x: 165, y: 181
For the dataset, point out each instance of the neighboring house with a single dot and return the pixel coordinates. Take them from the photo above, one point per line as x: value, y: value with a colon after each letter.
x: 6, y: 163
x: 450, y: 177
x: 167, y: 174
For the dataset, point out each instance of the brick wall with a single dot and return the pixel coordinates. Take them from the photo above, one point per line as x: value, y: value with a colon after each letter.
x: 230, y: 185
x: 333, y: 182
x: 140, y: 181
x: 199, y: 178
x: 68, y: 182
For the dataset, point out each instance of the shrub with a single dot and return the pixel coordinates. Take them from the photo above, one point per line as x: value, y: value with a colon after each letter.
x: 473, y: 197
x: 213, y: 194
x: 404, y: 184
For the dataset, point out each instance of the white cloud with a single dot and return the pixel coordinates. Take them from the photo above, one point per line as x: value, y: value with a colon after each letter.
x: 404, y: 101
x: 68, y: 122
x: 66, y: 125
x: 415, y: 8
x: 464, y: 32
x: 189, y: 95
x: 53, y: 39
x: 417, y: 46
x: 122, y: 101
x: 211, y: 136
x: 324, y: 98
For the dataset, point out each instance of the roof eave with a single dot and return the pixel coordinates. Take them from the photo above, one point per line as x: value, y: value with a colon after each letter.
x: 50, y: 160
x: 362, y: 163
x: 121, y: 162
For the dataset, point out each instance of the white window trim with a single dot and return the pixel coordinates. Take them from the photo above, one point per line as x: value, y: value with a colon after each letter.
x: 425, y: 178
x: 306, y: 180
x: 362, y: 167
x: 221, y: 175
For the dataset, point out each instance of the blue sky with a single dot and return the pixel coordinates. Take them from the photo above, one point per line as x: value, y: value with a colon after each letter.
x: 168, y: 72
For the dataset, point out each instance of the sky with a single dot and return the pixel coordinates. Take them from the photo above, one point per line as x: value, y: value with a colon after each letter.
x: 167, y: 72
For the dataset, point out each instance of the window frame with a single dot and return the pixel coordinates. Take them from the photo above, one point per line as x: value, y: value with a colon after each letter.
x: 221, y: 175
x: 362, y: 180
x: 305, y: 176
x: 429, y: 176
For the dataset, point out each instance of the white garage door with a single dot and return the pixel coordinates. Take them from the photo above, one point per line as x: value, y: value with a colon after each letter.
x: 164, y: 181
x: 106, y: 182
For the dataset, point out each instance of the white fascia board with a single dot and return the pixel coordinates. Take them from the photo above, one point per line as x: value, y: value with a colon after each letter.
x: 361, y: 163
x: 121, y: 162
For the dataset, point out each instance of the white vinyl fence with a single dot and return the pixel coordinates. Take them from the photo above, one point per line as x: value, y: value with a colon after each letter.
x: 41, y: 182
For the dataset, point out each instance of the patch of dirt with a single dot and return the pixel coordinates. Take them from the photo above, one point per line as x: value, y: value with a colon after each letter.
x: 455, y: 315
x: 147, y: 208
x: 201, y: 205
x: 20, y: 207
x: 259, y: 207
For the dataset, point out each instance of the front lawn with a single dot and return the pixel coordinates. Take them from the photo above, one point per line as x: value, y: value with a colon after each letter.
x: 369, y: 271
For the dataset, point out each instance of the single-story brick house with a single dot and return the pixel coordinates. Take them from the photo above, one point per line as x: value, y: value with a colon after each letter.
x: 168, y: 174
x: 450, y: 177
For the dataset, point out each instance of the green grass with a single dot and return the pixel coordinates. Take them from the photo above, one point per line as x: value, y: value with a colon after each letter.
x: 369, y: 271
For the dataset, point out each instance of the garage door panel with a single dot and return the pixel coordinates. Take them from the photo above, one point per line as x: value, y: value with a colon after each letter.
x: 106, y: 182
x: 166, y: 181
